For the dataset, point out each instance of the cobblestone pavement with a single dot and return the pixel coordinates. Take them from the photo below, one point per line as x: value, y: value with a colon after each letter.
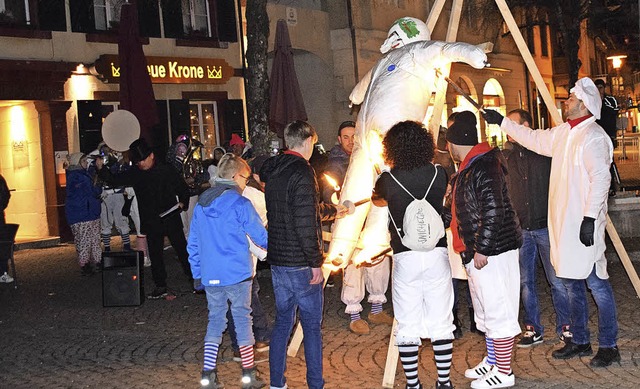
x: 55, y: 333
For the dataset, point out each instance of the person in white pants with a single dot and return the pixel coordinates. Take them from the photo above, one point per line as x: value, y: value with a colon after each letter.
x: 486, y: 234
x: 422, y: 288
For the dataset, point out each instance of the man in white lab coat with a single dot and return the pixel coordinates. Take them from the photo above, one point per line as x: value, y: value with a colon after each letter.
x: 581, y: 155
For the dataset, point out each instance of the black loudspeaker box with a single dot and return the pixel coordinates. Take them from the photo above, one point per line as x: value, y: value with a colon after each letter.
x: 122, y: 278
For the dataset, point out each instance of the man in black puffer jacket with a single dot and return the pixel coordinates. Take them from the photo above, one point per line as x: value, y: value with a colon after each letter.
x: 487, y: 235
x: 294, y: 214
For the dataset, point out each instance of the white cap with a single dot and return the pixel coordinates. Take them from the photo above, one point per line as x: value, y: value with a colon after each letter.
x: 404, y: 31
x: 587, y: 91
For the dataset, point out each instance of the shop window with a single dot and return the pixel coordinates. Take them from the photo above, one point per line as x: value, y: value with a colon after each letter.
x: 15, y: 12
x: 203, y: 117
x: 493, y: 98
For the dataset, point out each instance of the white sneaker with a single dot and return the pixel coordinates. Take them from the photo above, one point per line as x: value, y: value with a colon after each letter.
x: 479, y: 370
x: 494, y: 379
x: 6, y: 279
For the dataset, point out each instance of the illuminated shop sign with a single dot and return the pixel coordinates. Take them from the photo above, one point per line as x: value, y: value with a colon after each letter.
x: 170, y: 70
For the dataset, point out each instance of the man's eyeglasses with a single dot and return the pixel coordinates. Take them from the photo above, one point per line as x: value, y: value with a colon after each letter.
x: 245, y: 178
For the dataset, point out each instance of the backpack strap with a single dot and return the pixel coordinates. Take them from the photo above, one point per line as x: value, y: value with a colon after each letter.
x: 409, y: 193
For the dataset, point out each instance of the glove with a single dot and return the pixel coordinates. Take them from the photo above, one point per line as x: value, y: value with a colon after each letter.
x: 587, y: 229
x: 492, y: 116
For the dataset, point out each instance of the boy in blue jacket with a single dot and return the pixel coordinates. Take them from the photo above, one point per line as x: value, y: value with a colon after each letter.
x: 223, y: 227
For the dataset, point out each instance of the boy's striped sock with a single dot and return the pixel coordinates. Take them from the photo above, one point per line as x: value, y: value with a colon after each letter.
x: 246, y: 353
x: 376, y: 308
x: 443, y: 351
x: 504, y: 348
x: 491, y: 353
x: 355, y: 316
x: 210, y: 355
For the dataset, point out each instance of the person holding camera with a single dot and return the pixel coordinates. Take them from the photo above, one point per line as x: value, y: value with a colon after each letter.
x: 156, y: 185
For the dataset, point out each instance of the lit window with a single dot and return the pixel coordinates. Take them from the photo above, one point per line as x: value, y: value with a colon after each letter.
x: 195, y: 17
x: 204, y: 125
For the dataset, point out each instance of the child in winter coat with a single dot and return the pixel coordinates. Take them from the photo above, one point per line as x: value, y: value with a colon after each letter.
x: 82, y: 208
x: 223, y: 226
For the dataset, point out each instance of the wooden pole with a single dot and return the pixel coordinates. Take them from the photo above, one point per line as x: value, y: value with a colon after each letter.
x: 528, y: 60
x: 434, y: 14
x: 441, y: 83
x: 624, y: 257
x: 392, y: 359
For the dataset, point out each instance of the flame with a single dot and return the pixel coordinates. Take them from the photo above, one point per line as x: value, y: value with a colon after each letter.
x: 332, y: 182
x: 376, y: 148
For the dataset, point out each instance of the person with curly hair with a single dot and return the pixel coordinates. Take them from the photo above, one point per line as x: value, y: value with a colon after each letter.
x: 422, y: 288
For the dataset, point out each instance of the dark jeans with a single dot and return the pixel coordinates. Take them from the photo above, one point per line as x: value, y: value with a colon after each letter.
x: 261, y: 330
x: 172, y: 228
x: 535, y: 244
x: 293, y: 292
x: 456, y: 294
x: 607, y: 313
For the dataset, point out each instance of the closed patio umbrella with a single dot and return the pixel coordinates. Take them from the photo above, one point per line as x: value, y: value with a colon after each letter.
x: 286, y: 104
x: 136, y: 92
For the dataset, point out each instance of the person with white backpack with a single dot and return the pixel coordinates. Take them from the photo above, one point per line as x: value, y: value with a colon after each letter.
x: 414, y: 189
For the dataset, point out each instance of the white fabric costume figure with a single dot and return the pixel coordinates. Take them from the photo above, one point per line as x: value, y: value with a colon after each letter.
x: 398, y: 88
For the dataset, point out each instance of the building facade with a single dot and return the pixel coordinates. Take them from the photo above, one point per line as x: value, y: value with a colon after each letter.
x: 59, y: 76
x: 59, y: 79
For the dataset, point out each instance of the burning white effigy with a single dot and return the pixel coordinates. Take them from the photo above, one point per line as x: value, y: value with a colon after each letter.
x: 397, y: 88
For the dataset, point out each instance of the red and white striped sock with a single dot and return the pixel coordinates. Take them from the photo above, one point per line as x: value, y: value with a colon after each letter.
x: 504, y: 349
x: 246, y: 353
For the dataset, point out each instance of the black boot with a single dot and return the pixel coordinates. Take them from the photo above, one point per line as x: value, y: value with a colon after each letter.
x: 605, y: 357
x: 457, y: 333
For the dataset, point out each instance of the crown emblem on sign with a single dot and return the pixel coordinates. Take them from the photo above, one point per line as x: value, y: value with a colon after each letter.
x: 115, y: 70
x: 214, y: 72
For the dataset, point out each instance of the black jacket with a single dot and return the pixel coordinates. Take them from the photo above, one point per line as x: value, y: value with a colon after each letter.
x: 156, y: 190
x: 294, y: 212
x: 528, y: 183
x: 487, y: 222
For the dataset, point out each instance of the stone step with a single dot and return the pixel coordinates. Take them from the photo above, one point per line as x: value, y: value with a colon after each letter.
x: 37, y: 243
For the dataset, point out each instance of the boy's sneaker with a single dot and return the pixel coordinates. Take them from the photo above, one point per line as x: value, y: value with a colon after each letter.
x: 444, y: 385
x: 250, y: 379
x: 478, y: 370
x: 209, y: 380
x: 494, y: 379
x: 6, y: 278
x: 530, y: 338
x: 158, y: 293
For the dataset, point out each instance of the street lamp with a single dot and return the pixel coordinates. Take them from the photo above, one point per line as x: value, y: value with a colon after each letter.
x: 616, y: 62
